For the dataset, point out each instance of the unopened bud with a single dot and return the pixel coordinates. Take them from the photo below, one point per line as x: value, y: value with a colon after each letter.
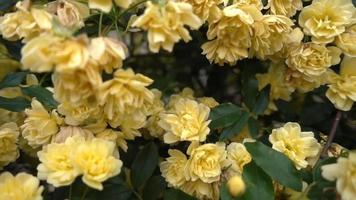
x: 236, y: 186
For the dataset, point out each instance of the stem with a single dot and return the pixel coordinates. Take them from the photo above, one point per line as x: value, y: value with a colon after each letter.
x: 70, y: 192
x: 100, y: 23
x: 84, y: 193
x: 332, y: 133
x: 137, y: 194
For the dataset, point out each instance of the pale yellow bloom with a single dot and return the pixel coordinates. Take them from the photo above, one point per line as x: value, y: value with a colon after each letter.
x: 346, y: 41
x: 236, y: 186
x: 129, y: 123
x: 153, y: 127
x: 109, y: 53
x: 297, y: 195
x: 9, y: 152
x: 71, y: 13
x: 342, y: 89
x: 186, y: 93
x: 344, y: 173
x: 206, y: 162
x: 80, y: 113
x: 295, y: 144
x: 166, y: 25
x: 56, y: 166
x: 270, y: 34
x: 117, y: 137
x: 205, y: 9
x: 98, y: 160
x: 223, y: 45
x: 66, y: 132
x: 78, y: 86
x: 313, y: 59
x: 23, y: 186
x: 187, y: 121
x: 25, y: 24
x: 40, y: 126
x: 326, y: 19
x: 202, y: 190
x: 285, y: 7
x: 172, y: 168
x: 238, y: 156
x: 125, y: 93
x: 106, y: 5
x: 208, y: 101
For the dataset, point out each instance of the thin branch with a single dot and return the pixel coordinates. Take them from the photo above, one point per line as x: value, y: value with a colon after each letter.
x: 331, y: 134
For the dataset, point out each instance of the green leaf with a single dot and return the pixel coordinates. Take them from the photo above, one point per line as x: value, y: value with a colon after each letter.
x: 224, y: 193
x: 42, y: 95
x: 173, y: 194
x: 13, y: 79
x: 224, y: 115
x: 249, y: 90
x: 262, y: 101
x: 7, y: 4
x: 275, y: 164
x: 259, y: 185
x: 253, y: 127
x: 17, y: 104
x: 235, y: 128
x: 144, y: 164
x: 154, y: 188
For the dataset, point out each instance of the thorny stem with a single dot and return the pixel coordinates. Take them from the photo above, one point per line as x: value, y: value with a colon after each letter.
x: 332, y: 133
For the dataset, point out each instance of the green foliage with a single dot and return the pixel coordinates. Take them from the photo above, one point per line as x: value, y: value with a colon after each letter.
x: 275, y: 164
x: 42, y: 95
x: 6, y: 4
x: 236, y: 127
x: 224, y: 115
x: 258, y: 184
x: 144, y: 165
x: 154, y: 188
x: 224, y: 192
x: 173, y: 194
x: 13, y: 79
x: 17, y: 104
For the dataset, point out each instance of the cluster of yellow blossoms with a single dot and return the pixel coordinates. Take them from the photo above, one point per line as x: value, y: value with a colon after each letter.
x: 101, y: 104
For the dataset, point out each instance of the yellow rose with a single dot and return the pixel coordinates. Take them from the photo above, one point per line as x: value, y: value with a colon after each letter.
x: 124, y: 93
x: 313, y: 59
x: 40, y: 126
x: 238, y: 156
x: 71, y: 13
x: 56, y: 166
x: 206, y: 162
x: 106, y: 5
x: 187, y: 121
x: 346, y: 41
x: 97, y: 160
x: 204, y: 9
x: 130, y: 123
x: 342, y: 89
x: 153, y: 127
x: 20, y: 187
x: 80, y: 113
x: 223, y: 45
x: 295, y: 144
x: 167, y: 27
x: 236, y: 186
x: 172, y: 168
x: 202, y: 190
x: 9, y: 152
x: 270, y: 35
x: 344, y: 173
x: 208, y: 101
x: 326, y: 19
x: 108, y: 52
x: 71, y: 131
x: 285, y: 7
x: 186, y: 93
x: 112, y: 135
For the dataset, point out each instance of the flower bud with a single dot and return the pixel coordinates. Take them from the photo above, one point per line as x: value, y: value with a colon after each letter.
x: 236, y: 186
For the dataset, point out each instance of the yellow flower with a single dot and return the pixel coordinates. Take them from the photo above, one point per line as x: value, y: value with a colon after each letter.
x: 238, y: 156
x: 206, y: 162
x: 108, y: 52
x: 166, y: 25
x: 205, y: 9
x: 342, y: 89
x: 202, y: 190
x: 39, y: 126
x: 80, y: 113
x: 71, y: 13
x: 9, y: 152
x: 325, y: 19
x: 66, y: 132
x: 25, y: 24
x: 186, y: 93
x: 295, y: 144
x: 208, y: 101
x: 129, y: 123
x: 172, y: 168
x: 344, y: 173
x: 117, y: 137
x: 44, y: 53
x: 124, y: 93
x: 106, y: 5
x: 236, y: 186
x: 346, y: 41
x: 275, y: 77
x: 313, y: 59
x: 78, y: 86
x: 20, y: 187
x: 224, y: 46
x: 56, y: 166
x: 187, y: 121
x: 285, y: 7
x: 98, y: 160
x: 153, y: 127
x: 269, y: 35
